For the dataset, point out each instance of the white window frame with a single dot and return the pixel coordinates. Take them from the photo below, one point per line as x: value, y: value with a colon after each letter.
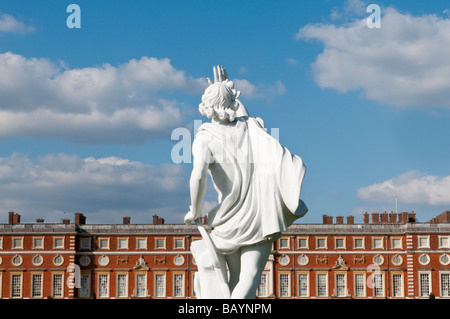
x: 119, y: 293
x: 325, y: 275
x: 444, y: 292
x: 421, y: 292
x: 420, y: 245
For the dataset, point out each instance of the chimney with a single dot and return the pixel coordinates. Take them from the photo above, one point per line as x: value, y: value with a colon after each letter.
x: 126, y: 220
x: 412, y: 217
x: 392, y: 217
x: 375, y: 218
x: 384, y: 218
x: 11, y: 218
x: 80, y: 219
x: 366, y: 218
x: 339, y: 220
x: 205, y: 220
x: 327, y: 219
x: 157, y: 220
x: 16, y: 219
x: 66, y: 221
x: 350, y: 220
x: 39, y: 220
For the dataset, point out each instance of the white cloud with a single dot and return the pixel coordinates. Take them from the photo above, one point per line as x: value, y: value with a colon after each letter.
x: 261, y: 91
x: 412, y: 188
x: 9, y: 24
x: 403, y: 63
x: 100, y: 188
x: 95, y: 104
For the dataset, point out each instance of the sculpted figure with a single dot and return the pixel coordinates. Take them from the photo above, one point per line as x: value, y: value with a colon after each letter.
x: 258, y: 182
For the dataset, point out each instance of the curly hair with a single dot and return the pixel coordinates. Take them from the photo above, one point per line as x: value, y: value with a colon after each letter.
x: 220, y: 102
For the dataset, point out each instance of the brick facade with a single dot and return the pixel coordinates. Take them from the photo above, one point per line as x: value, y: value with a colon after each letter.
x: 391, y: 257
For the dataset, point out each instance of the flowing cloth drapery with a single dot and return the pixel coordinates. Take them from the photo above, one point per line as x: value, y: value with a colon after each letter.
x: 265, y: 191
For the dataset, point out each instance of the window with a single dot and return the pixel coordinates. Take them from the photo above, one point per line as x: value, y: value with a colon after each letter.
x: 160, y: 243
x: 285, y: 290
x: 103, y: 243
x: 303, y: 260
x: 262, y: 287
x: 341, y: 286
x: 37, y: 260
x: 85, y: 243
x: 57, y: 285
x: 17, y: 243
x: 358, y: 243
x: 178, y: 285
x: 122, y: 243
x: 322, y: 285
x: 396, y: 243
x: 339, y: 243
x: 397, y: 285
x: 1, y: 242
x: 444, y: 242
x: 377, y: 243
x: 303, y: 243
x: 16, y: 286
x: 378, y: 260
x: 122, y: 285
x: 424, y: 259
x: 17, y: 260
x: 303, y: 283
x: 378, y: 285
x: 321, y: 243
x: 284, y: 243
x: 397, y: 260
x: 36, y: 285
x: 103, y: 285
x: 424, y: 284
x: 360, y: 285
x: 141, y: 243
x: 179, y: 243
x: 445, y: 284
x: 424, y: 241
x: 58, y: 242
x: 58, y: 260
x: 444, y: 259
x: 38, y: 242
x: 85, y: 260
x: 160, y: 285
x: 85, y: 288
x: 141, y: 285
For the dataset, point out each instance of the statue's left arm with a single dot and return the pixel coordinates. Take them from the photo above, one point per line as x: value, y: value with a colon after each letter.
x: 202, y: 157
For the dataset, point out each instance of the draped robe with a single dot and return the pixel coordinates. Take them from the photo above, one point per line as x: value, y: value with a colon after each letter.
x: 263, y: 197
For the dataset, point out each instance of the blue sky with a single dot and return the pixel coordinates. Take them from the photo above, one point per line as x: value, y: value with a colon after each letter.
x: 86, y: 114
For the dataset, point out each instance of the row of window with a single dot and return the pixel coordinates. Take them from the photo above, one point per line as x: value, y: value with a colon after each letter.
x: 122, y: 290
x: 364, y: 285
x: 379, y: 242
x: 397, y: 260
x: 17, y: 242
x: 123, y: 243
x: 36, y: 286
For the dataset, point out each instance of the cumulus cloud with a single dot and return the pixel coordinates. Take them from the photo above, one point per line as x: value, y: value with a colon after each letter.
x: 93, y: 104
x: 261, y: 91
x: 101, y: 188
x: 9, y: 24
x: 412, y: 188
x: 403, y: 63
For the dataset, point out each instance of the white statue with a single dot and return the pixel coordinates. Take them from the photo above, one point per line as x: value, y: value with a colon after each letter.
x: 258, y: 182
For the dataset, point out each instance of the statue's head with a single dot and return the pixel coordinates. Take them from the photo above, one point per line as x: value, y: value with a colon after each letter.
x: 219, y: 102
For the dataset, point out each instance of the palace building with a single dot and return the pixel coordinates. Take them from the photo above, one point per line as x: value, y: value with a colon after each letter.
x: 389, y: 255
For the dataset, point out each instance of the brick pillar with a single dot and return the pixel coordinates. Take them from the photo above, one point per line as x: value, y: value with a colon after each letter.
x: 16, y: 219
x: 384, y: 218
x: 375, y: 218
x: 392, y: 217
x: 339, y: 220
x: 366, y: 218
x: 350, y: 220
x: 80, y: 219
x: 11, y: 218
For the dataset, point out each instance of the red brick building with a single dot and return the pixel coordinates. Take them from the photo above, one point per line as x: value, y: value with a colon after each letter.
x: 387, y: 256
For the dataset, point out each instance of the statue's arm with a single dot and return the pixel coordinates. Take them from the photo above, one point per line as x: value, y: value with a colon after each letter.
x: 241, y: 111
x: 197, y: 183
